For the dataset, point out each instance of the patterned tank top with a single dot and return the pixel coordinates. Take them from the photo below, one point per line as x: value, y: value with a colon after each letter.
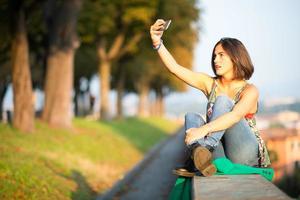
x: 264, y: 160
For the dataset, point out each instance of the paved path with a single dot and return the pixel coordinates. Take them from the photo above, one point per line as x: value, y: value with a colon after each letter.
x: 152, y: 178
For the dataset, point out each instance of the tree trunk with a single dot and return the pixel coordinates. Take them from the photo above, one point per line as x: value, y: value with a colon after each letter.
x: 143, y: 106
x: 61, y: 20
x: 104, y: 74
x: 23, y: 117
x: 58, y: 89
x: 105, y: 61
x: 107, y: 56
x: 160, y: 104
x: 120, y: 93
x: 157, y: 108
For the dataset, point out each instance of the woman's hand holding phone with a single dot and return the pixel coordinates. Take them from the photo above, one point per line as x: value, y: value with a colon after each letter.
x: 157, y: 30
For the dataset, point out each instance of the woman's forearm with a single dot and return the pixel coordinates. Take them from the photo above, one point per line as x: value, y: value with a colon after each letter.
x: 222, y: 122
x: 188, y: 76
x: 168, y: 59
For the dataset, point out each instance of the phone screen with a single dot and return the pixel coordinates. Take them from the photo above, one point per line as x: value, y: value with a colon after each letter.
x: 167, y: 24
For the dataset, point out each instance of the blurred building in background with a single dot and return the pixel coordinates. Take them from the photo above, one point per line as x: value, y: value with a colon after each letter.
x: 284, y: 147
x: 281, y: 132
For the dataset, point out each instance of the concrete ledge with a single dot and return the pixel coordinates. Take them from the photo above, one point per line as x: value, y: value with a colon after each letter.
x: 231, y: 187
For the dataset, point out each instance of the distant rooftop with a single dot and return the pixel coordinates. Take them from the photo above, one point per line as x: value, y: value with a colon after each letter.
x: 278, y: 133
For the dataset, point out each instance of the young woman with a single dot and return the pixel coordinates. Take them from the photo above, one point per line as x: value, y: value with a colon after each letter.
x: 230, y: 128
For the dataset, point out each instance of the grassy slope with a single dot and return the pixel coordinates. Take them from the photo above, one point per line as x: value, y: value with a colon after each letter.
x: 74, y: 164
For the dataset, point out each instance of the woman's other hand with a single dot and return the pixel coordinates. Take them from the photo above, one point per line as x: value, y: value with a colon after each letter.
x: 194, y: 134
x: 156, y: 31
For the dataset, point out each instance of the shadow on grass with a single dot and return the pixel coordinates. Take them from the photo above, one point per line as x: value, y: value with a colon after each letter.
x: 83, y: 190
x: 141, y: 134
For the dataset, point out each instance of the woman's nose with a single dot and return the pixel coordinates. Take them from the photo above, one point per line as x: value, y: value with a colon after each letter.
x: 215, y: 60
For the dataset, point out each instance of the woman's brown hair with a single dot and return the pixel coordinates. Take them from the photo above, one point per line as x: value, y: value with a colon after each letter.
x: 242, y: 64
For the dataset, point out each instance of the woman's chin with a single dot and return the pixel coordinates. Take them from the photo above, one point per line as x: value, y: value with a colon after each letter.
x: 219, y: 73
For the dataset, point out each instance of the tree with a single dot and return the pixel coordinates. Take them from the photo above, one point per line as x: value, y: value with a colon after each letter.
x: 23, y: 117
x: 149, y: 72
x: 116, y: 28
x: 143, y: 69
x: 121, y: 80
x: 61, y: 18
x: 34, y: 36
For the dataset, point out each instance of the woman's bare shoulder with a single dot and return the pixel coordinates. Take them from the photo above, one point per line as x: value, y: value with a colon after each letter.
x: 250, y: 89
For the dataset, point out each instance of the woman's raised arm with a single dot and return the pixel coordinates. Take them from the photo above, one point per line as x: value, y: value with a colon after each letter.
x: 198, y: 80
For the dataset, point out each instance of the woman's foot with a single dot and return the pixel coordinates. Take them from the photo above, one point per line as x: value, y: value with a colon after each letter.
x: 183, y: 172
x: 203, y: 161
x: 187, y: 170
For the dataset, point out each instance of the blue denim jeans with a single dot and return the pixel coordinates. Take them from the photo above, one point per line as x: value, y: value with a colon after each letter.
x: 238, y: 143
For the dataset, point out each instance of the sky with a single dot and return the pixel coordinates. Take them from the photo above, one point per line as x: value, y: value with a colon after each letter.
x: 270, y: 30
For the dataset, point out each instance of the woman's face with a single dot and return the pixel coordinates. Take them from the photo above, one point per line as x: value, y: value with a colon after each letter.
x: 223, y: 63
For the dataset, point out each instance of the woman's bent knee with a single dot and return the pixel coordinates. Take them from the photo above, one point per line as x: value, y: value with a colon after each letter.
x: 193, y: 120
x: 193, y: 116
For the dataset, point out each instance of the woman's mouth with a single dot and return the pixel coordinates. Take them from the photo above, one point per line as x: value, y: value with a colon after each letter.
x: 217, y: 67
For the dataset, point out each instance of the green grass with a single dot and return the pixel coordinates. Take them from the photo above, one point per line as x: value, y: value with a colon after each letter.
x: 74, y: 164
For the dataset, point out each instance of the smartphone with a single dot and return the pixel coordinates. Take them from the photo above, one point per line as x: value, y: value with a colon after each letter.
x: 167, y: 24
